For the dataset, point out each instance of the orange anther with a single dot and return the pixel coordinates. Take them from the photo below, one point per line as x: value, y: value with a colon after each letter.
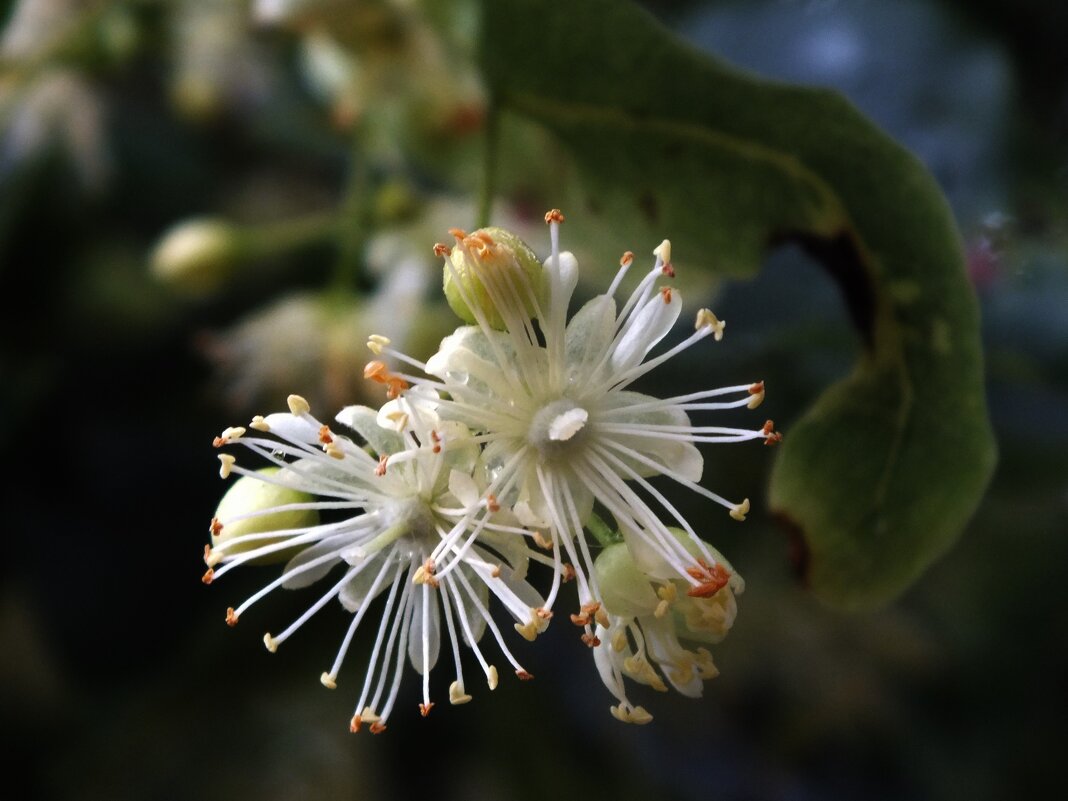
x: 209, y: 576
x: 757, y: 388
x: 436, y: 439
x: 378, y: 727
x: 712, y: 580
x: 626, y: 259
x: 554, y: 216
x: 581, y: 620
x: 491, y: 503
x: 355, y: 724
x: 381, y: 469
x: 376, y: 371
x: 771, y: 436
x: 668, y: 270
x: 569, y: 572
x: 591, y: 640
x: 395, y: 385
x: 215, y: 527
x: 543, y: 613
x: 523, y: 675
x: 231, y: 618
x: 459, y: 233
x: 424, y: 709
x: 665, y: 292
x: 325, y: 436
x: 218, y: 442
x: 441, y: 249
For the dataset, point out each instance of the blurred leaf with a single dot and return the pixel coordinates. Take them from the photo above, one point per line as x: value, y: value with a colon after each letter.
x: 880, y: 475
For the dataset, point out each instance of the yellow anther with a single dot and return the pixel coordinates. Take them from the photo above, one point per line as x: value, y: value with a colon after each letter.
x: 457, y: 694
x: 667, y: 592
x: 376, y: 342
x: 328, y: 681
x: 528, y: 631
x: 259, y: 423
x: 639, y: 716
x: 663, y: 250
x: 739, y: 511
x: 619, y: 640
x: 226, y: 461
x: 332, y: 450
x: 270, y: 642
x: 297, y: 405
x: 491, y: 677
x: 661, y: 609
x: 706, y: 319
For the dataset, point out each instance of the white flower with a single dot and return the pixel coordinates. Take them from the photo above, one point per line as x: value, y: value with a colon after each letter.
x: 649, y: 618
x: 384, y: 517
x: 549, y: 400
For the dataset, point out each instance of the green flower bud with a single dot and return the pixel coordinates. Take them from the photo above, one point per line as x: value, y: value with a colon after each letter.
x: 246, y: 509
x: 196, y: 255
x: 490, y: 265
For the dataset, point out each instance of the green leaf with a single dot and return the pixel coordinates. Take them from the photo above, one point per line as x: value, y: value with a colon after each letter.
x: 879, y: 477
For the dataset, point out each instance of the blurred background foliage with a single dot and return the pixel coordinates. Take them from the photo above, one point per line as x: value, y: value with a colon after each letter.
x: 206, y: 205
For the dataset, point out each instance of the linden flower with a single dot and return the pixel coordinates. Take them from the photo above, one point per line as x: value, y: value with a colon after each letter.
x: 548, y: 398
x: 649, y: 618
x: 384, y: 516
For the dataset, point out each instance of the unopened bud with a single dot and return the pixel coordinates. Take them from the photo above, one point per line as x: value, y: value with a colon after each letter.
x: 496, y: 258
x: 256, y: 497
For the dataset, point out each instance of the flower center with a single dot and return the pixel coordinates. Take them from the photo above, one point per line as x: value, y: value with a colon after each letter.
x: 558, y: 427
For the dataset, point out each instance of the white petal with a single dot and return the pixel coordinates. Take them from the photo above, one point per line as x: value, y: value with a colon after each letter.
x: 292, y: 428
x: 589, y: 334
x: 354, y: 594
x: 463, y: 487
x: 648, y: 327
x: 433, y: 628
x: 364, y: 421
x: 311, y: 553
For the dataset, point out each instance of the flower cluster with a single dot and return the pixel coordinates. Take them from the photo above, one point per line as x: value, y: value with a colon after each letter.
x: 500, y: 456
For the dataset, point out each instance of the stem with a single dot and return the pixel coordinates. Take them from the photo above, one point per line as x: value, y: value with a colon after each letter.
x: 355, y: 218
x: 602, y: 532
x: 489, y: 163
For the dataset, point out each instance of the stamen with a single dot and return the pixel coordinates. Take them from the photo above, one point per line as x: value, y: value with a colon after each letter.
x: 757, y: 393
x: 771, y: 436
x: 231, y: 617
x: 208, y: 576
x: 457, y: 694
x: 259, y: 424
x: 297, y: 405
x: 663, y: 251
x: 270, y: 642
x: 376, y: 342
x: 626, y: 259
x: 226, y: 461
x: 424, y: 709
x: 328, y: 681
x: 553, y: 216
x: 706, y: 319
x: 442, y: 250
x: 739, y: 511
